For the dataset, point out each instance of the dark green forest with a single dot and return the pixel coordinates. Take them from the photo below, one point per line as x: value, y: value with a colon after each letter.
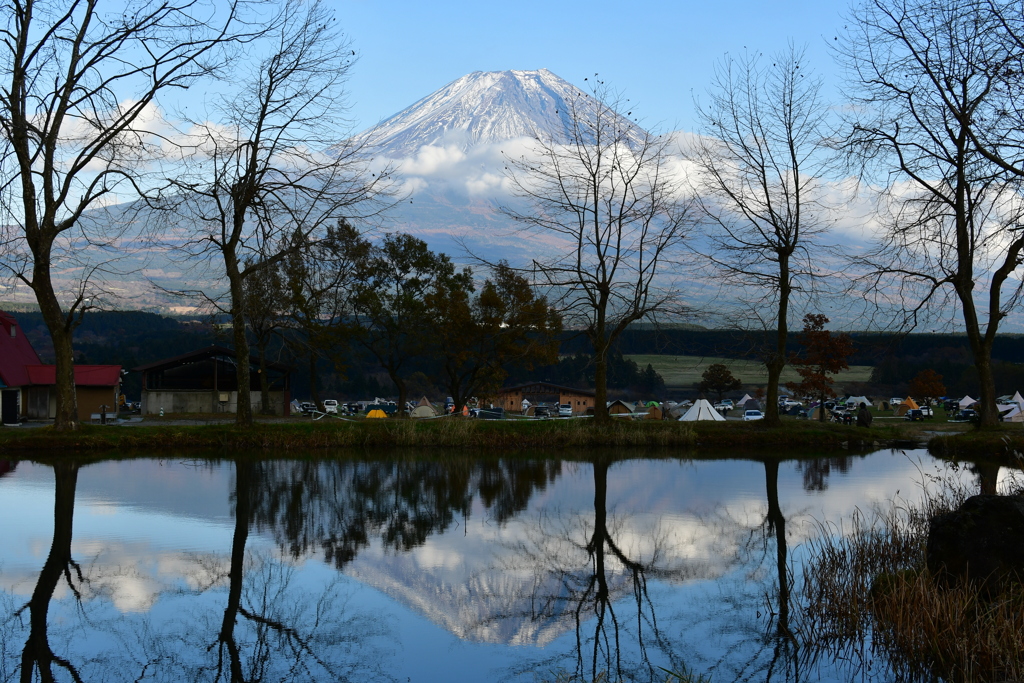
x: 134, y: 338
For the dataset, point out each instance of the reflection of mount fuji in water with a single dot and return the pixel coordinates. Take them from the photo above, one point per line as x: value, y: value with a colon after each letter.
x: 491, y: 551
x: 523, y: 581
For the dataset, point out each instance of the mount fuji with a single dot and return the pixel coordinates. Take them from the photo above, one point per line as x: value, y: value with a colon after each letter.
x: 480, y: 108
x: 449, y: 151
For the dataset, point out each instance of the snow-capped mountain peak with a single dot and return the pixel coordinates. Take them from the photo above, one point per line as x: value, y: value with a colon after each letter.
x: 479, y: 108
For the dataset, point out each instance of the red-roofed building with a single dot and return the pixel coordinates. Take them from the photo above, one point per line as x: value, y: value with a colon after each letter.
x: 16, y: 354
x: 27, y: 386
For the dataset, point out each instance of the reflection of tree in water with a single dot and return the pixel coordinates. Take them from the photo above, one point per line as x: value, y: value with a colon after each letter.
x: 750, y: 609
x: 338, y: 506
x: 37, y: 654
x: 271, y: 628
x: 784, y: 644
x: 7, y: 466
x: 817, y: 471
x: 279, y: 635
x: 582, y: 572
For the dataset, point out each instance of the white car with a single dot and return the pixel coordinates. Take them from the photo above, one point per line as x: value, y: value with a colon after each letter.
x: 565, y: 410
x: 331, y: 406
x: 752, y: 415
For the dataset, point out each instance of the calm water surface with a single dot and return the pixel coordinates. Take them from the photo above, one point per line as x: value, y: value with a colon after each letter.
x: 422, y: 570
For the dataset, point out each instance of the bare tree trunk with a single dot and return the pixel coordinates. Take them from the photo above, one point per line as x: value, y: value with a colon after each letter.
x: 243, y: 411
x: 402, y: 395
x: 314, y: 392
x: 265, y: 406
x: 601, y: 384
x: 777, y: 358
x: 58, y: 325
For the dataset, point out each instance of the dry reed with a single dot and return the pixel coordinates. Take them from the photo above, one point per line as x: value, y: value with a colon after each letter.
x: 868, y: 597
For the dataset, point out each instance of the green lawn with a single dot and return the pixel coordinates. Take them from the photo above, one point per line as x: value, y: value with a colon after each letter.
x: 682, y: 372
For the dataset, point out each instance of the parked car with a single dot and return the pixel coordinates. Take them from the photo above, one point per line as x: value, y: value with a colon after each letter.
x: 914, y: 414
x: 752, y: 415
x: 727, y: 402
x: 331, y: 406
x: 967, y: 415
x: 565, y: 410
x: 894, y: 401
x: 927, y: 411
x: 542, y: 411
x: 307, y: 408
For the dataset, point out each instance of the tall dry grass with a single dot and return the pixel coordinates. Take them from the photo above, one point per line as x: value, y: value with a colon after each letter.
x: 868, y: 599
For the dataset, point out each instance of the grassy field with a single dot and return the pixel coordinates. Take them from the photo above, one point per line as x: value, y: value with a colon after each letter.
x: 682, y: 372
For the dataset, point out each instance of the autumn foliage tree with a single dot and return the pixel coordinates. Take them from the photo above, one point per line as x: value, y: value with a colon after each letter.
x: 718, y: 379
x: 824, y: 355
x: 927, y: 385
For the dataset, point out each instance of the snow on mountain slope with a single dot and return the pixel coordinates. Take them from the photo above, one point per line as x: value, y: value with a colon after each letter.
x: 479, y: 108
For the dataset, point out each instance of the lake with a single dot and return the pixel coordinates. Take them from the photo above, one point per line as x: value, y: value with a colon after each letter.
x: 425, y: 569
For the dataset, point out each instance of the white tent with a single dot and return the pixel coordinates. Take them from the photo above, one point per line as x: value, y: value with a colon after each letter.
x: 423, y: 409
x: 967, y: 402
x: 1018, y: 399
x: 702, y: 410
x: 1015, y: 414
x: 743, y: 401
x: 858, y: 401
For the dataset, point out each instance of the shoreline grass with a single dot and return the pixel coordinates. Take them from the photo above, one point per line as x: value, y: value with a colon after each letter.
x: 459, y: 433
x: 1004, y: 443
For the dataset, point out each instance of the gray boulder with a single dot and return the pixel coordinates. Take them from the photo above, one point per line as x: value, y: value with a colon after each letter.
x: 982, y: 542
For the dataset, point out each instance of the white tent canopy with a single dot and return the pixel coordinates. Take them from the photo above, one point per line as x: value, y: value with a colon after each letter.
x: 1018, y: 399
x: 967, y: 401
x: 859, y: 401
x: 743, y: 401
x: 702, y: 410
x: 1015, y: 414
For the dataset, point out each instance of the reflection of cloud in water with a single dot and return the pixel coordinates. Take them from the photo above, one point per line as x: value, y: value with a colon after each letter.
x: 691, y: 521
x: 482, y: 583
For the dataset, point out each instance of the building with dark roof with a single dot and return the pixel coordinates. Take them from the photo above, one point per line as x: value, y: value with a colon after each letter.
x: 206, y: 381
x: 511, y: 398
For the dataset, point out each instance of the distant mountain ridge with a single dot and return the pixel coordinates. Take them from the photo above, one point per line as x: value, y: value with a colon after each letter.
x: 480, y: 108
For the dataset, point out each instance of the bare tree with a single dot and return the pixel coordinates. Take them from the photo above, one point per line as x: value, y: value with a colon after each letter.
x: 607, y: 195
x: 78, y: 83
x: 934, y: 123
x: 273, y: 165
x: 758, y: 168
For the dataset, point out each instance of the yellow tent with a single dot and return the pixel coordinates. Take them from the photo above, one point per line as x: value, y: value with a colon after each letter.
x: 376, y: 413
x: 908, y: 404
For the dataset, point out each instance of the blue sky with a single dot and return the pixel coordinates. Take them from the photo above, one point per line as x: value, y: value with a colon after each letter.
x: 660, y: 54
